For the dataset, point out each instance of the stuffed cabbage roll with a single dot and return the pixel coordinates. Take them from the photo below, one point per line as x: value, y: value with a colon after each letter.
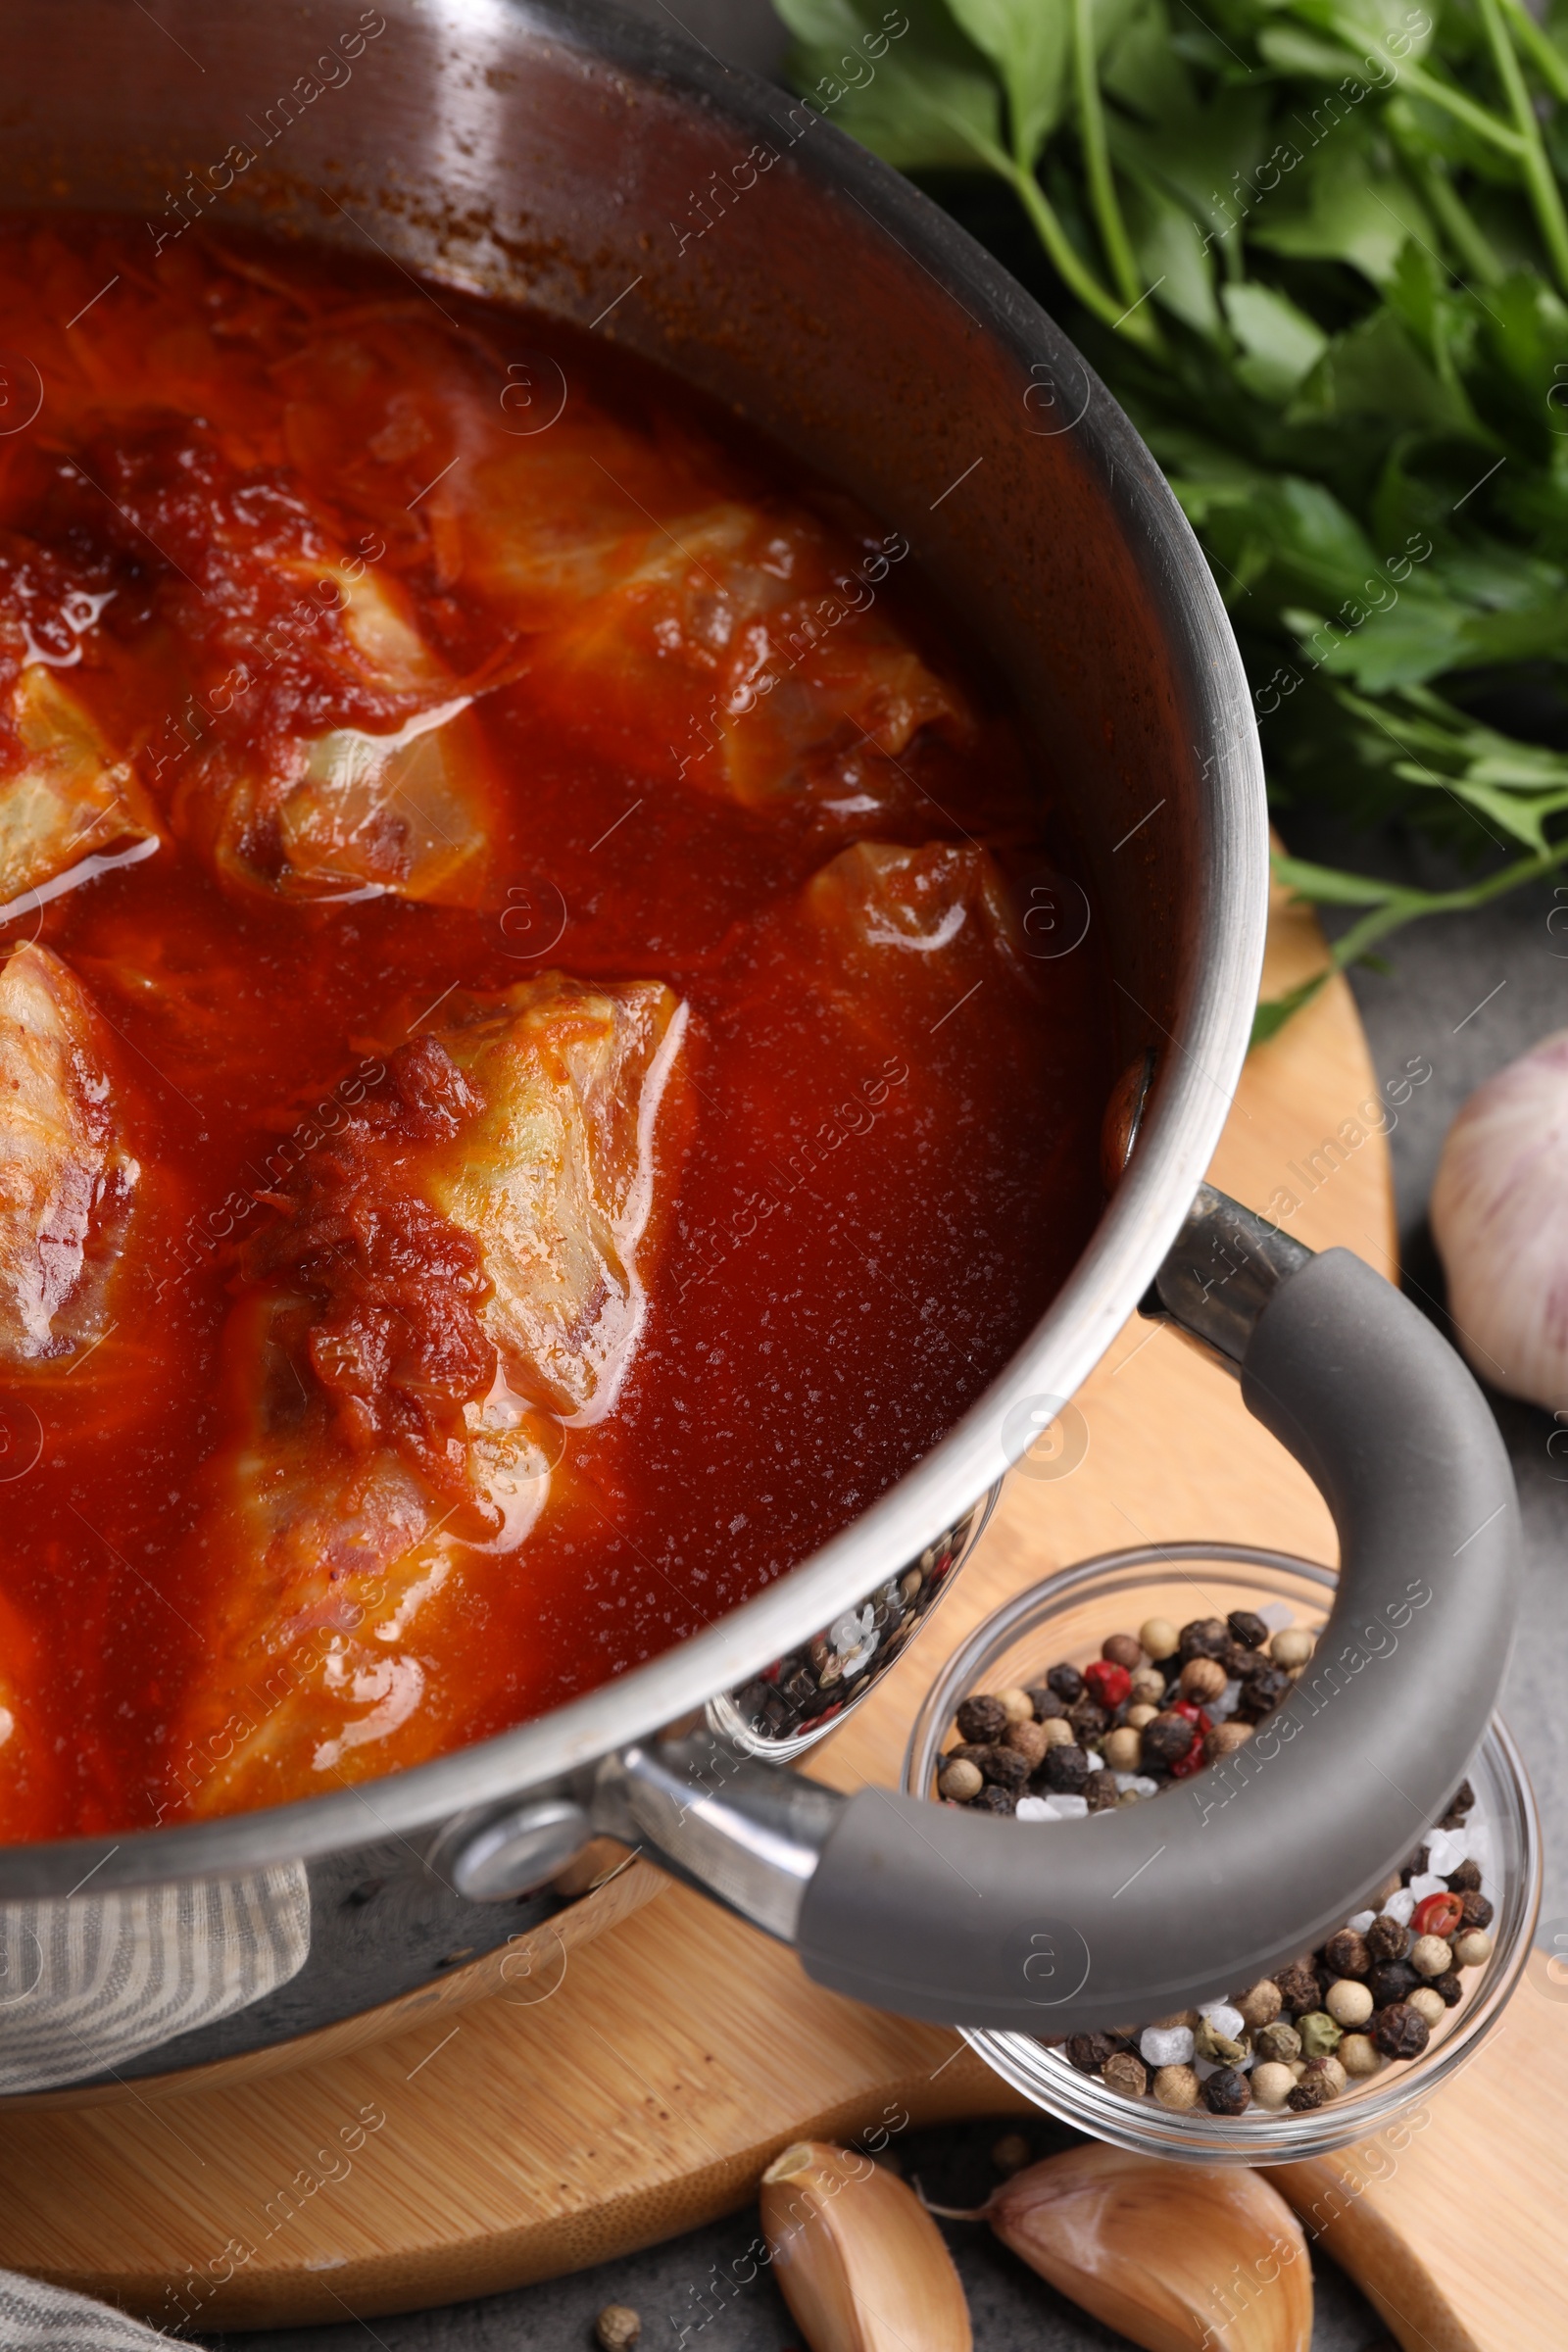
x: 904, y: 935
x: 323, y: 747
x: 693, y: 631
x: 450, y: 1278
x: 69, y: 805
x: 743, y: 650
x: 67, y: 1179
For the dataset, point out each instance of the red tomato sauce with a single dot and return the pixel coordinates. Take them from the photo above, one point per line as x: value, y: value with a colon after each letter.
x: 877, y: 1190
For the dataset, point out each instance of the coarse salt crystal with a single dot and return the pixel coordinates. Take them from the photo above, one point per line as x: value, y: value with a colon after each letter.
x: 1427, y: 1884
x: 1202, y: 2067
x: 1446, y: 1851
x: 1165, y: 2045
x: 1225, y: 1705
x: 1070, y: 1808
x: 1361, y: 1921
x: 1224, y: 2019
x: 1277, y: 1615
x: 1144, y: 1785
x: 1400, y: 1904
x: 1035, y: 1808
x: 1097, y: 1763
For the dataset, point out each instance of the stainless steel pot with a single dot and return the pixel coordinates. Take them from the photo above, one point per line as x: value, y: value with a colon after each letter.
x: 564, y: 153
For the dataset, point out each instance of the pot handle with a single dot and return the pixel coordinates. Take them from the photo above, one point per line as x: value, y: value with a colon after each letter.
x: 935, y: 1913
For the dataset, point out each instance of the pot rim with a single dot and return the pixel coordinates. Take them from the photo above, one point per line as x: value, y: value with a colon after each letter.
x: 1183, y: 1125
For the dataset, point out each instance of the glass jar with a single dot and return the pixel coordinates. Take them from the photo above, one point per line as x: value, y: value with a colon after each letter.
x: 1068, y: 1616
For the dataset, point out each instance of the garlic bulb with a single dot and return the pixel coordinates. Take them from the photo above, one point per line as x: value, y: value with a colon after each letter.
x: 1173, y: 2255
x: 861, y: 2264
x: 1500, y: 1217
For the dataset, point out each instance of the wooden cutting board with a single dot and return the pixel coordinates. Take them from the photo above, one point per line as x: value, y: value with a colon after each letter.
x: 634, y: 2085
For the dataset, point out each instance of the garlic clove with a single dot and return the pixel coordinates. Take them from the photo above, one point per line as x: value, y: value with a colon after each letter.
x: 862, y: 2265
x: 1172, y: 2255
x: 1500, y: 1218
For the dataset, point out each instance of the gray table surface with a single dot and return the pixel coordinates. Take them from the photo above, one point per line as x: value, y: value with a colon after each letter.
x: 1467, y: 992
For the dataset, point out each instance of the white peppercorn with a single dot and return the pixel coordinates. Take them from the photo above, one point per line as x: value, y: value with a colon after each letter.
x: 1272, y: 2084
x: 1348, y: 2002
x: 1176, y: 2086
x: 1159, y: 1636
x: 1431, y: 1955
x: 959, y: 1781
x: 1470, y: 1948
x: 1020, y: 1707
x: 1360, y: 2054
x: 1429, y: 2003
x: 1058, y: 1732
x: 1137, y: 1717
x: 1292, y: 1646
x: 1122, y: 1748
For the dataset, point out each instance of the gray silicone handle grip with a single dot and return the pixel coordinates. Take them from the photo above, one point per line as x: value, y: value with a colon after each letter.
x: 935, y: 1913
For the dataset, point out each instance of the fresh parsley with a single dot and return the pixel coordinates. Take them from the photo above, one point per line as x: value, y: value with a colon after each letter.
x: 1319, y: 250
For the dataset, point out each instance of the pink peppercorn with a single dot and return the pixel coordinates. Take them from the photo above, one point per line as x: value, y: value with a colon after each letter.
x: 1108, y: 1681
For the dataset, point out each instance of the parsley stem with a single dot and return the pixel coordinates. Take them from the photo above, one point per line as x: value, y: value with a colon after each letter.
x: 1417, y: 82
x: 1456, y: 220
x: 1539, y: 47
x: 1113, y: 235
x: 1062, y: 252
x: 1407, y: 906
x: 1540, y: 180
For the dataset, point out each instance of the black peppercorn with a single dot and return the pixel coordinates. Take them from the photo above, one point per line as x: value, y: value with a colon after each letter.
x: 1065, y: 1770
x: 968, y: 1751
x: 1451, y: 1987
x: 1312, y: 2091
x: 1164, y: 1740
x: 1003, y: 1766
x: 1066, y: 1682
x: 1205, y: 1638
x: 1262, y: 1692
x: 1474, y: 1909
x: 981, y: 1720
x: 1089, y: 1721
x: 1347, y: 1953
x: 1088, y: 2052
x: 1298, y: 1988
x: 1415, y: 1868
x: 1241, y: 1664
x: 1045, y: 1703
x: 1464, y: 1879
x: 1399, y: 2030
x: 1247, y: 1629
x: 993, y: 1800
x: 1226, y: 2092
x: 1392, y: 1980
x: 1387, y: 1939
x: 1101, y: 1790
x: 1459, y: 1804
